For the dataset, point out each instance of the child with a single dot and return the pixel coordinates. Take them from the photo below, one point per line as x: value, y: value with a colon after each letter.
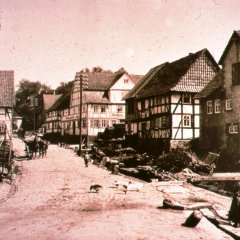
x: 86, y: 159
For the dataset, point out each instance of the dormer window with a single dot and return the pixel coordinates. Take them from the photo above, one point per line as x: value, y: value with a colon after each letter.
x: 186, y: 98
x: 236, y: 74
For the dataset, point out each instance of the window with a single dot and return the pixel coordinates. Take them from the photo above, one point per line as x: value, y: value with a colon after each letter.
x: 119, y: 109
x: 209, y: 107
x: 125, y: 80
x: 103, y: 108
x: 103, y: 125
x: 84, y: 123
x: 217, y: 106
x: 228, y: 104
x: 130, y: 107
x: 95, y: 108
x: 114, y: 122
x: 95, y: 123
x: 186, y: 120
x: 233, y: 128
x: 186, y: 98
x: 236, y: 73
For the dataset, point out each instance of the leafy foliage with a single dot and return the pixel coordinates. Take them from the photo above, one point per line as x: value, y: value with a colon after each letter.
x: 26, y: 90
x: 64, y: 87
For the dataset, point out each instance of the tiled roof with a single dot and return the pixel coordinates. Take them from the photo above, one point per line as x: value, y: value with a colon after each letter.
x: 99, y: 81
x: 165, y: 77
x: 62, y: 103
x: 94, y: 97
x: 6, y: 88
x: 216, y: 85
x: 102, y: 81
x: 135, y: 78
x: 235, y: 36
x: 49, y: 100
x: 142, y: 82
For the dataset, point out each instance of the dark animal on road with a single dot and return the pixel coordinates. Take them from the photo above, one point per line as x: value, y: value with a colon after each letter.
x: 96, y: 187
x: 31, y: 148
x: 42, y: 148
x: 34, y: 146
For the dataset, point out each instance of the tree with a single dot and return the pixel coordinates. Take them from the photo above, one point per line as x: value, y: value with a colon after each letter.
x: 97, y: 69
x: 64, y: 88
x: 26, y: 90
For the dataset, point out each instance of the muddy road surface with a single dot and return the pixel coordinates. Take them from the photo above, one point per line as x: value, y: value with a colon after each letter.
x: 51, y: 200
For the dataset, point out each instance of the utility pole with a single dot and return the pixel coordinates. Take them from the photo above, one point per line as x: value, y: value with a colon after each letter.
x: 34, y: 103
x: 82, y: 80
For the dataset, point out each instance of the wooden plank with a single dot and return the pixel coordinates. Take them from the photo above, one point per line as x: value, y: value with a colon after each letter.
x: 215, y: 178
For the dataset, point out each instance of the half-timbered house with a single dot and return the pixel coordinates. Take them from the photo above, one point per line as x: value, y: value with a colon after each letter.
x: 161, y: 111
x: 102, y: 104
x: 6, y: 104
x: 53, y: 126
x: 220, y: 104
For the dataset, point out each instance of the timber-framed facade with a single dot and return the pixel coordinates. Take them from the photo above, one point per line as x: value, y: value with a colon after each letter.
x: 6, y: 104
x: 102, y: 106
x: 161, y: 111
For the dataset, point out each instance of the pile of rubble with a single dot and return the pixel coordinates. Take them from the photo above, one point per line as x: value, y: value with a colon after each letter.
x: 178, y: 164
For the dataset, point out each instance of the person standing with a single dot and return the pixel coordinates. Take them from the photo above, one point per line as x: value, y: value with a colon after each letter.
x: 234, y: 212
x: 86, y: 159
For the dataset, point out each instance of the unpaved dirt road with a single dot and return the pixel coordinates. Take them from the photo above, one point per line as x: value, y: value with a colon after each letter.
x: 51, y: 200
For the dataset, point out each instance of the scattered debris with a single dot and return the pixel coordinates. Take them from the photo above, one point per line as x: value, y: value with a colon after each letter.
x: 193, y: 219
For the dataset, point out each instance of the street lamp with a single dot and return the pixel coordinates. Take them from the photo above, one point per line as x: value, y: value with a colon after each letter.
x: 82, y: 80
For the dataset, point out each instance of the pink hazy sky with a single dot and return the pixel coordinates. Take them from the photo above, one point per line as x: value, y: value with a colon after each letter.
x: 49, y: 40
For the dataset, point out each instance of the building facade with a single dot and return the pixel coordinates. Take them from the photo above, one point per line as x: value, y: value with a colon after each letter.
x: 161, y: 111
x: 220, y: 104
x: 101, y: 102
x: 6, y: 104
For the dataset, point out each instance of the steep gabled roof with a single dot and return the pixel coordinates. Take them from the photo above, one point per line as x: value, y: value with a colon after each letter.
x: 235, y: 36
x: 213, y: 87
x: 94, y: 97
x: 49, y: 100
x: 135, y: 78
x: 165, y: 77
x: 99, y: 81
x: 6, y: 88
x: 142, y: 82
x: 116, y: 76
x: 103, y: 81
x: 62, y: 103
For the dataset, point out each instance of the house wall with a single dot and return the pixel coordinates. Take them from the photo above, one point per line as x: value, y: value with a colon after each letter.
x: 180, y: 110
x: 232, y: 141
x: 5, y: 121
x: 213, y: 128
x: 120, y: 89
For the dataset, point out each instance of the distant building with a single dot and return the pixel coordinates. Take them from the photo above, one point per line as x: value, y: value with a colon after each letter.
x: 161, y: 112
x: 17, y: 121
x: 220, y: 105
x: 42, y: 103
x: 6, y: 103
x: 102, y: 106
x: 53, y: 126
